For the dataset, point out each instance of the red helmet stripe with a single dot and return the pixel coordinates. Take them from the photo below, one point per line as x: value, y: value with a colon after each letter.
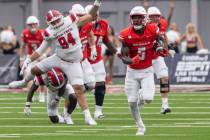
x: 73, y: 17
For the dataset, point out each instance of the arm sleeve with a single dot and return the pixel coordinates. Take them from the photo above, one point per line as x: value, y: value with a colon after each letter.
x: 42, y: 47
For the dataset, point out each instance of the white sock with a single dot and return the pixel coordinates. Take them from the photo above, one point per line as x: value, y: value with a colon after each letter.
x: 99, y: 108
x: 86, y: 113
x: 136, y: 114
x: 60, y: 119
x: 165, y: 103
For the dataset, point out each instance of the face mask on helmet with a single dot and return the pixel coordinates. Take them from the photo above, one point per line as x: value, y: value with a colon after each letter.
x: 55, y: 79
x: 33, y: 27
x: 154, y: 18
x: 54, y: 18
x: 33, y: 23
x: 137, y: 21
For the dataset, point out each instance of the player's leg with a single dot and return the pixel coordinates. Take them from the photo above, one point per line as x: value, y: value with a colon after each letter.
x: 52, y: 108
x: 70, y: 103
x: 162, y: 74
x: 75, y: 76
x: 89, y: 75
x: 100, y: 88
x: 131, y: 89
x: 42, y: 91
x: 111, y: 61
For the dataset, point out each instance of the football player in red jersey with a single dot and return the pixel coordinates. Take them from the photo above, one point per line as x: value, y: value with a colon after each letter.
x: 32, y: 38
x: 58, y: 87
x: 137, y: 49
x: 100, y: 29
x: 88, y: 41
x: 160, y: 68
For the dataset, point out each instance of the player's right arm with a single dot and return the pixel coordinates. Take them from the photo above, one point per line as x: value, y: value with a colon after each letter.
x: 124, y: 51
x: 88, y: 17
x: 38, y: 52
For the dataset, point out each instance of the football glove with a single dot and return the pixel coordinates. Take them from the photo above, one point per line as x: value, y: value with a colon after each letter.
x: 25, y: 65
x: 162, y: 52
x: 118, y: 53
x: 171, y: 49
x: 136, y: 59
x: 93, y: 54
x: 97, y: 2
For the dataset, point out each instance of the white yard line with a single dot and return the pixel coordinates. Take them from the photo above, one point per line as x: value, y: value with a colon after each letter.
x: 117, y: 107
x: 114, y: 119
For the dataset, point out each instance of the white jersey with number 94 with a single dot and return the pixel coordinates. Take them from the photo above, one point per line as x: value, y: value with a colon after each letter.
x: 66, y: 39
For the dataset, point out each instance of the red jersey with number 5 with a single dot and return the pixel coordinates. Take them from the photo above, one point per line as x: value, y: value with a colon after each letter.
x: 140, y: 44
x: 84, y: 36
x: 32, y: 41
x: 100, y: 30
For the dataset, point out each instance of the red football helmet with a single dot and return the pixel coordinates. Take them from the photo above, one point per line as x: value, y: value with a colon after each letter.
x: 55, y: 78
x: 54, y: 18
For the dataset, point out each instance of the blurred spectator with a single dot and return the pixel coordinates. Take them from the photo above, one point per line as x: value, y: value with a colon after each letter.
x: 174, y: 37
x: 8, y: 41
x: 109, y: 56
x: 17, y: 46
x: 192, y: 39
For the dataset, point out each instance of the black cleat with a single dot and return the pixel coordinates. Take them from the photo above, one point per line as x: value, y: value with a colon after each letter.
x: 165, y: 110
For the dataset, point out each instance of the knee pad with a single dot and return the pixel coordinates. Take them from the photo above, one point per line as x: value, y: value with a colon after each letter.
x: 89, y: 86
x: 100, y: 93
x: 72, y: 103
x: 164, y: 85
x: 54, y: 119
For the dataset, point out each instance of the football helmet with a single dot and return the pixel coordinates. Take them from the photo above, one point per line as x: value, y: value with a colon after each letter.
x: 78, y: 9
x: 154, y: 14
x: 138, y: 16
x: 54, y: 19
x: 33, y: 23
x: 55, y: 78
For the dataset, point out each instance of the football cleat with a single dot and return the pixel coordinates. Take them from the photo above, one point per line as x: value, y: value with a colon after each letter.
x: 18, y: 84
x: 90, y: 121
x: 27, y: 111
x: 98, y: 115
x: 165, y: 110
x: 140, y: 131
x: 68, y: 119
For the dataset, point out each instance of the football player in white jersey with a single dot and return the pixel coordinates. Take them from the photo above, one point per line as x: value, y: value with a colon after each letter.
x: 63, y: 33
x: 58, y: 86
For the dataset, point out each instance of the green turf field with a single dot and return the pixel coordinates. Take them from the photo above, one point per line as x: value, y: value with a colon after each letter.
x: 189, y: 120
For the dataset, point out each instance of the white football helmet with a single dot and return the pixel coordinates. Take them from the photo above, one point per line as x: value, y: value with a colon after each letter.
x: 153, y: 11
x: 33, y: 23
x: 142, y: 21
x: 54, y: 19
x: 78, y: 9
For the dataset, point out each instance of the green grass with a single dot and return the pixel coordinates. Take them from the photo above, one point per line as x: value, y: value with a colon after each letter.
x: 189, y: 120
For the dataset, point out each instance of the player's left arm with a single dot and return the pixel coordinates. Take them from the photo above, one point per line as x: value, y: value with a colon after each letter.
x: 88, y: 17
x: 108, y: 44
x: 171, y: 11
